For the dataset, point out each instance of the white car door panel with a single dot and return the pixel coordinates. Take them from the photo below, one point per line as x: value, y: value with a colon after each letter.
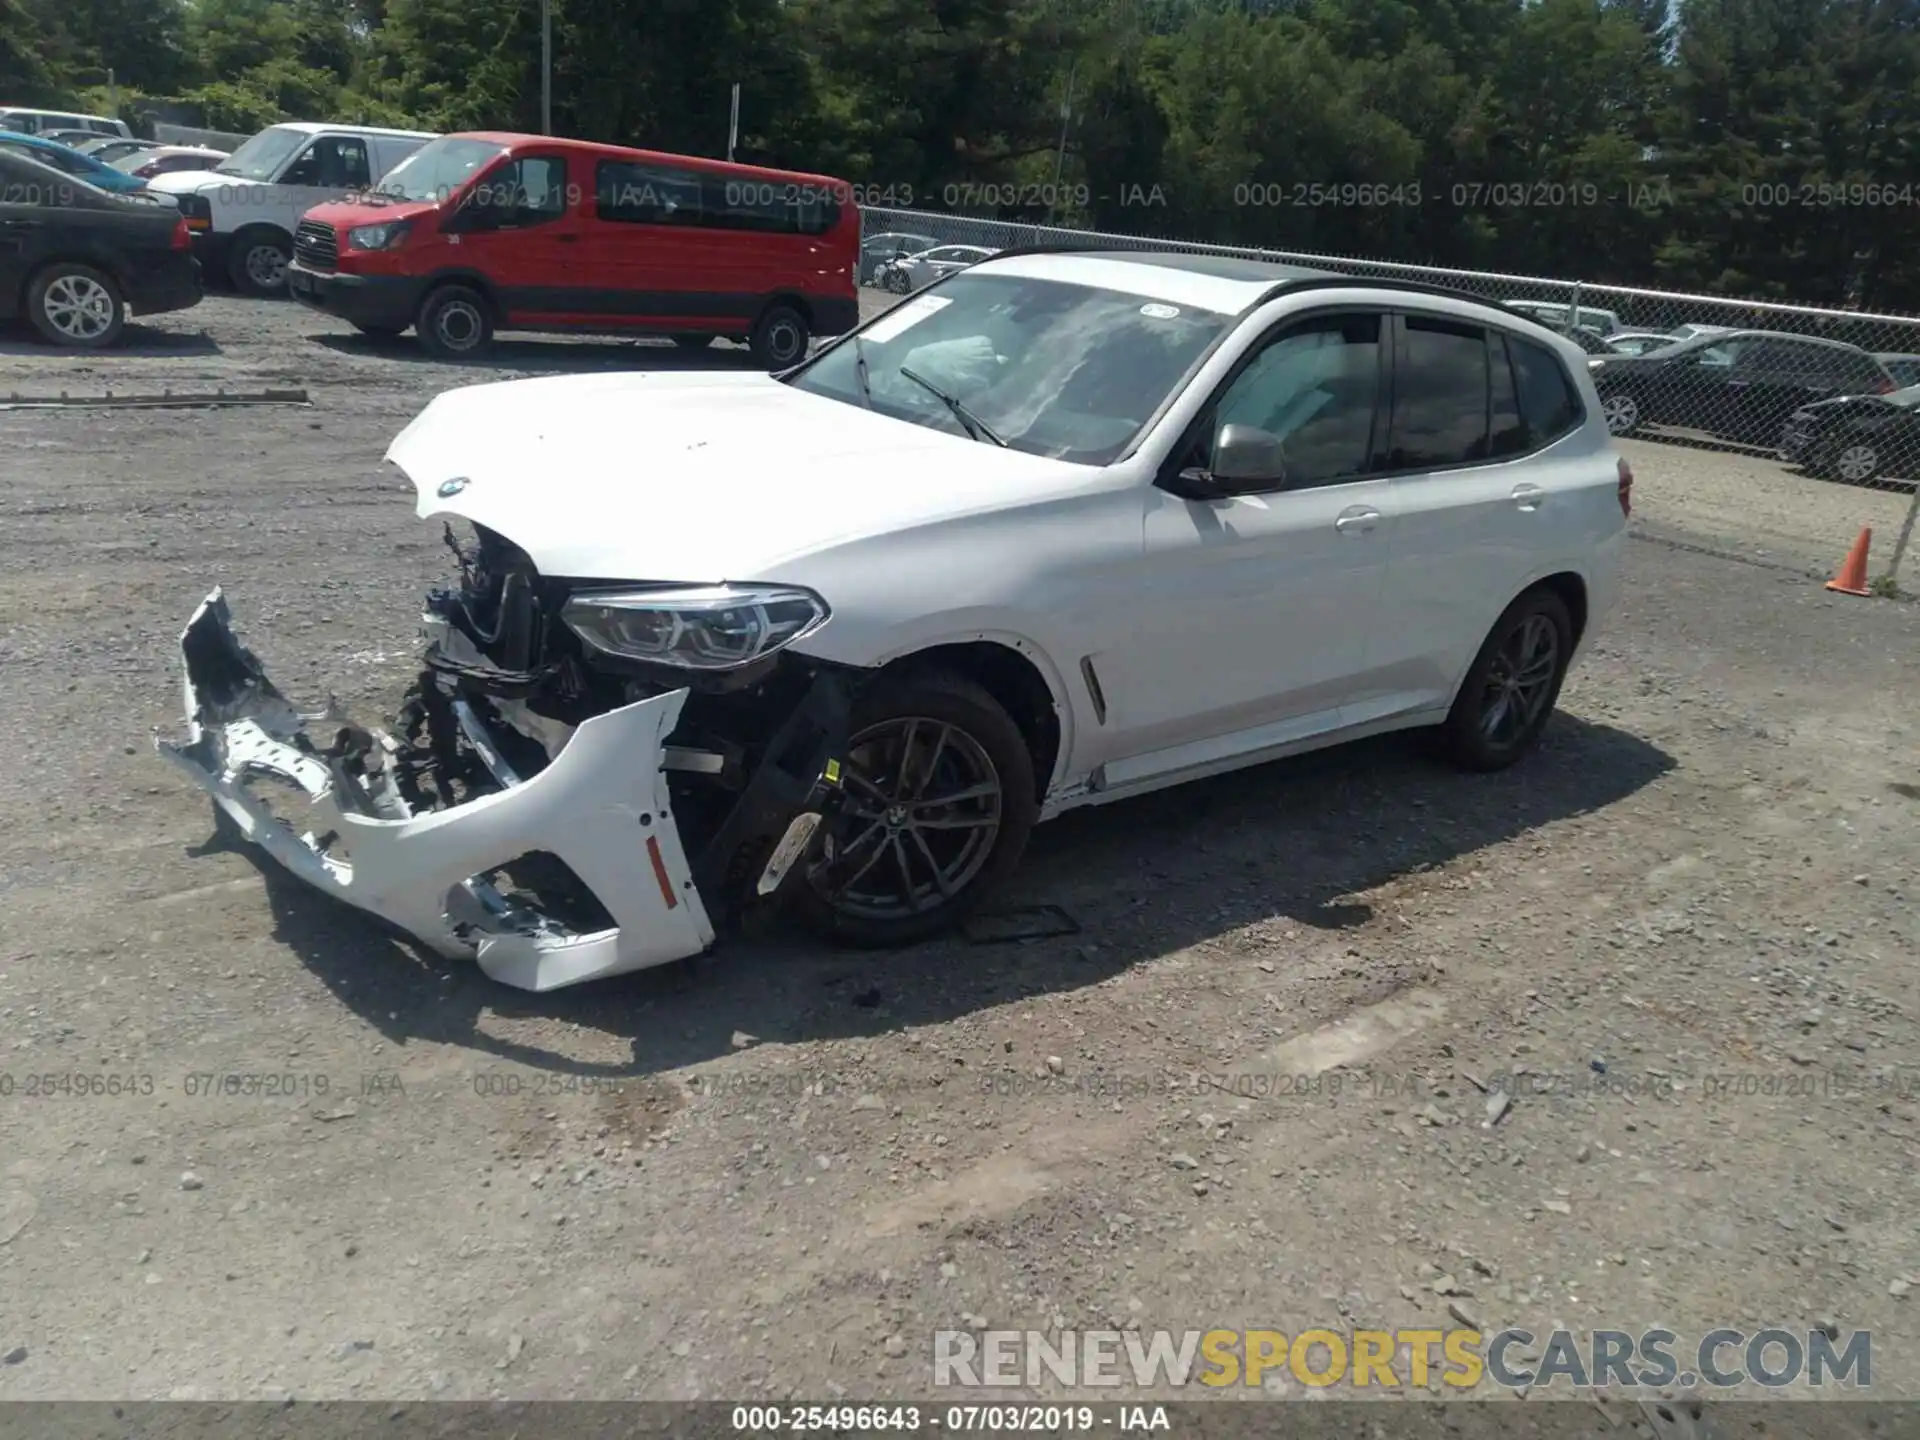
x: 1255, y: 612
x: 1474, y: 512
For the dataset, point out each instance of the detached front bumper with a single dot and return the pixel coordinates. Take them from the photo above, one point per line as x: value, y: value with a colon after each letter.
x: 601, y: 806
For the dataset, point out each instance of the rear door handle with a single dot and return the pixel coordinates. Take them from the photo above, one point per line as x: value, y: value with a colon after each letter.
x: 1356, y: 521
x: 1527, y: 497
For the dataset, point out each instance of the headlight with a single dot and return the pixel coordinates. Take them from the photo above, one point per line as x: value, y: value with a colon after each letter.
x: 717, y: 627
x: 386, y: 236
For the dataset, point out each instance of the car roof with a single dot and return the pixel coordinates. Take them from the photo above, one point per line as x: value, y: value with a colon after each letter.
x: 315, y: 127
x: 514, y: 139
x: 1895, y: 355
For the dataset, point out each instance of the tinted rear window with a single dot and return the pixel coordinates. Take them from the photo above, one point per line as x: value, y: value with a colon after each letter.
x: 1439, y: 396
x: 1549, y: 406
x: 641, y: 193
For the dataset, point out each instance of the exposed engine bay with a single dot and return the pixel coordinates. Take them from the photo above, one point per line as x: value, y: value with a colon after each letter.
x: 561, y: 812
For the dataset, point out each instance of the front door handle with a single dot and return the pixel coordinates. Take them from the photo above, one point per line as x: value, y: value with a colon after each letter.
x: 1356, y: 521
x: 1527, y: 497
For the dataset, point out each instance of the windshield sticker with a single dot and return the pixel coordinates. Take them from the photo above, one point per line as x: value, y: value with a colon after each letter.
x: 1160, y: 312
x: 903, y: 318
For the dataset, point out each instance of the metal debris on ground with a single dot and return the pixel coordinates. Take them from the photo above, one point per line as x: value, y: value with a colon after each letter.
x: 165, y: 400
x: 1035, y: 922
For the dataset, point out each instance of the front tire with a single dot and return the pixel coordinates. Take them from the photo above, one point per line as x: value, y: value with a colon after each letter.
x: 455, y: 323
x: 779, y: 338
x: 898, y: 282
x: 1512, y: 686
x: 940, y: 800
x: 76, y: 306
x: 258, y: 265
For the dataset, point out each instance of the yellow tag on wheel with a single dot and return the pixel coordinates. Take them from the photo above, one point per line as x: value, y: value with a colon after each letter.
x: 833, y: 772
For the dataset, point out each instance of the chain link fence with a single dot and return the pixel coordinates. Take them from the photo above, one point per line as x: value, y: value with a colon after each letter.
x: 1766, y: 430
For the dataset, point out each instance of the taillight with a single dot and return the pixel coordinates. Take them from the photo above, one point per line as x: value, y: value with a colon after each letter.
x: 1884, y: 386
x: 1626, y: 487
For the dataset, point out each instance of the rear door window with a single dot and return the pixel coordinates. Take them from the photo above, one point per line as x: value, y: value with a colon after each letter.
x: 1439, y: 395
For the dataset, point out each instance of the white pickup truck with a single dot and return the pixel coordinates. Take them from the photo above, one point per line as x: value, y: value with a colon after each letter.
x: 243, y: 213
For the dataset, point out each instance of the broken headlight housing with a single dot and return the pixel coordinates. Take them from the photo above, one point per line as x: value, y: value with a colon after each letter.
x: 708, y: 627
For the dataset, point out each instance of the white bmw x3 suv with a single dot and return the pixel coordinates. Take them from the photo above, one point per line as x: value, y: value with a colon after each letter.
x: 1064, y: 528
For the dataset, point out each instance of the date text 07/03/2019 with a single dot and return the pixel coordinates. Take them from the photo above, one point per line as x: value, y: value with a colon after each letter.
x: 957, y: 1419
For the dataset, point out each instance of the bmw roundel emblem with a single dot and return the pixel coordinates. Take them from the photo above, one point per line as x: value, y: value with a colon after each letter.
x: 451, y: 488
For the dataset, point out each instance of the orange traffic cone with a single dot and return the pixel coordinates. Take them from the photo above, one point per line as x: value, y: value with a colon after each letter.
x: 1852, y: 579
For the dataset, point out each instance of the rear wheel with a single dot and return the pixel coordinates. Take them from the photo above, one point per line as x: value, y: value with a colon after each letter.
x: 455, y: 323
x: 939, y: 804
x: 779, y: 338
x: 1855, y: 461
x: 1507, y: 696
x: 76, y: 306
x: 898, y: 281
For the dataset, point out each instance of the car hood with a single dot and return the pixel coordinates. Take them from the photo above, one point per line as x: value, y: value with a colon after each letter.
x: 700, y: 476
x: 192, y: 182
x: 345, y: 214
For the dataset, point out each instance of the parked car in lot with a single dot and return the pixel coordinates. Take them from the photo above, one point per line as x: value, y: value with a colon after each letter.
x: 879, y: 251
x: 1603, y: 322
x: 77, y: 259
x: 492, y: 231
x: 1857, y: 437
x: 1905, y: 369
x: 1640, y: 342
x: 1589, y: 341
x: 1741, y: 385
x: 70, y: 137
x: 70, y: 161
x: 33, y: 122
x: 1064, y: 528
x: 109, y: 148
x: 243, y: 210
x: 913, y: 272
x: 170, y: 160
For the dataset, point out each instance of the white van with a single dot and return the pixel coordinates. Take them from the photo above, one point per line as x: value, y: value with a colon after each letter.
x: 32, y: 122
x: 242, y: 213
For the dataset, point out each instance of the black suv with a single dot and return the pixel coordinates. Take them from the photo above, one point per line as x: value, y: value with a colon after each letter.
x: 75, y: 261
x: 1741, y: 385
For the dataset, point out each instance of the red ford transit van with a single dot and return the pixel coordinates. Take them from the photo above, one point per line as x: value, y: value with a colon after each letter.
x: 480, y: 232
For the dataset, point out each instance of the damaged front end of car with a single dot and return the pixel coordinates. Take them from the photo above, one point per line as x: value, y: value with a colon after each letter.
x: 587, y: 778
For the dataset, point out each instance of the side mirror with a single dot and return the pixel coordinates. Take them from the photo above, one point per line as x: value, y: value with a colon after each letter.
x: 1247, y: 458
x: 1244, y: 458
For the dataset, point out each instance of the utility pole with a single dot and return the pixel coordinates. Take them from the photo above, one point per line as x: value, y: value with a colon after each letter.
x: 1066, y: 119
x: 546, y: 67
x: 733, y: 122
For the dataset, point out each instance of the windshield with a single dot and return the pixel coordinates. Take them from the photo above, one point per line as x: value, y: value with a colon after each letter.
x: 1066, y: 371
x: 262, y: 156
x: 437, y: 169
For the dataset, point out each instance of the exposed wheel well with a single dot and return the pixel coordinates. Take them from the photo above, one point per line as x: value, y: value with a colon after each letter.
x: 262, y: 227
x: 1572, y: 591
x: 1013, y: 680
x: 466, y: 282
x: 93, y: 262
x: 795, y: 302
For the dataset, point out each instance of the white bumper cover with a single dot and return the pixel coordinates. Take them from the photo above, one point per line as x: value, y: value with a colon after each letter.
x: 602, y: 806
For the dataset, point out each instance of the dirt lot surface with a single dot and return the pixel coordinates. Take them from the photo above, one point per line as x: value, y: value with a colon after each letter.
x: 1252, y: 1091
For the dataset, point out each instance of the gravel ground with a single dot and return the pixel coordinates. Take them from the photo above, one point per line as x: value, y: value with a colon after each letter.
x: 1683, y: 936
